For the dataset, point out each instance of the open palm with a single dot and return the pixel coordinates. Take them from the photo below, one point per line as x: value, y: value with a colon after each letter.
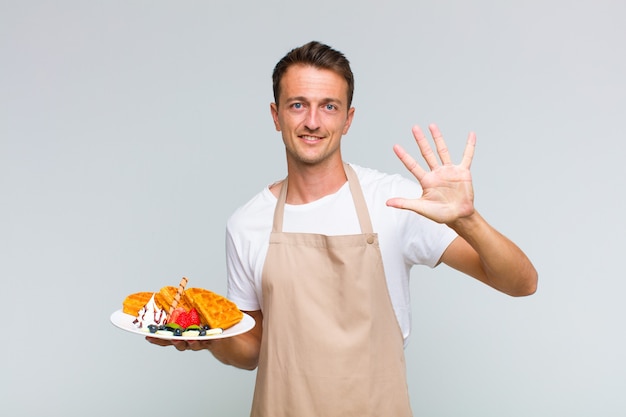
x: 447, y: 194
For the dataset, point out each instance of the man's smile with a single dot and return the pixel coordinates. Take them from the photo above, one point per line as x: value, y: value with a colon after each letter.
x: 309, y: 138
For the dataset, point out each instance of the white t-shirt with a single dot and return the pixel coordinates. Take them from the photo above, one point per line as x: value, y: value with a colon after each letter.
x: 405, y: 238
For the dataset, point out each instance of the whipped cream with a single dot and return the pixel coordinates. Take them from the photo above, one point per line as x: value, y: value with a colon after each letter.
x: 150, y: 314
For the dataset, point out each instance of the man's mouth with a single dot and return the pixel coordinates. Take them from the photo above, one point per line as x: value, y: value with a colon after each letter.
x: 309, y: 138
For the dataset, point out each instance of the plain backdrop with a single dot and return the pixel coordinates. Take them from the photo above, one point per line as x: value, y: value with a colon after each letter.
x: 130, y: 130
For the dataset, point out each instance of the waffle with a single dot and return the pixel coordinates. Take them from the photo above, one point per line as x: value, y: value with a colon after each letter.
x: 214, y: 310
x: 135, y: 302
x: 165, y: 297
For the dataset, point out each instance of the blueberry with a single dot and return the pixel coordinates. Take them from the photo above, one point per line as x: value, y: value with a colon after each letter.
x: 202, y: 332
x: 178, y: 332
x: 152, y: 328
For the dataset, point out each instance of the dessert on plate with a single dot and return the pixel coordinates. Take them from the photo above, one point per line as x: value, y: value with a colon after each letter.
x: 182, y: 312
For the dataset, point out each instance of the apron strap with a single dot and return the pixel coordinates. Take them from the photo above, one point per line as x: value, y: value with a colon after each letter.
x: 357, y: 196
x: 359, y: 200
x: 279, y: 211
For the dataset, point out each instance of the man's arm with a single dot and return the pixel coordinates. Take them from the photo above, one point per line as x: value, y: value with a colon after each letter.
x: 241, y: 351
x: 448, y: 197
x: 482, y: 252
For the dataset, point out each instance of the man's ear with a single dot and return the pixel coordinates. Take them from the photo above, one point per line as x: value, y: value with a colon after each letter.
x: 348, y: 120
x: 274, y: 111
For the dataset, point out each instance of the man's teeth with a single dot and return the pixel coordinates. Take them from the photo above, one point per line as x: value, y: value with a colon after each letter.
x: 310, y: 138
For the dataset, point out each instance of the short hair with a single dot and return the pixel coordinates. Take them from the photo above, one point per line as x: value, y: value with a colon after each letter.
x: 317, y: 55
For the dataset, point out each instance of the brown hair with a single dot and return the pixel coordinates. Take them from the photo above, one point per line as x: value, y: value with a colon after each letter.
x: 317, y: 55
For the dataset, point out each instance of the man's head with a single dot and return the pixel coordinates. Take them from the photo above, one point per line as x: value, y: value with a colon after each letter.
x: 317, y: 55
x: 313, y: 90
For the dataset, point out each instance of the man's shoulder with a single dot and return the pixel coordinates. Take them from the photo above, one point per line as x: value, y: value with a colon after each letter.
x: 254, y: 211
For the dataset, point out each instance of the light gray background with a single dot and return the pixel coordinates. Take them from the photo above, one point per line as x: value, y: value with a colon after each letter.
x: 130, y: 130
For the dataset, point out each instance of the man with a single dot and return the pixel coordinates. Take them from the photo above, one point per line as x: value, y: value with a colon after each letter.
x: 321, y: 260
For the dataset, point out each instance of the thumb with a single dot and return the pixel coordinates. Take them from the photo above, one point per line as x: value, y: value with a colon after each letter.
x: 397, y: 202
x: 416, y: 205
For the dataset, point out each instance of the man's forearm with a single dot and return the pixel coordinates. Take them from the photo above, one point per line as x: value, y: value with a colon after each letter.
x: 504, y: 265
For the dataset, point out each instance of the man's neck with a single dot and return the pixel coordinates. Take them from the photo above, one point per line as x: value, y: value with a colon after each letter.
x: 309, y: 183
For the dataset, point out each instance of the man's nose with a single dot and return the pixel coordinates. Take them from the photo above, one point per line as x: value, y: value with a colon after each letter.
x: 312, y: 119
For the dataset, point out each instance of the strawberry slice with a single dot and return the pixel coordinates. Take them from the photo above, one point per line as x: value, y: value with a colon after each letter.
x: 174, y: 316
x: 184, y: 320
x: 194, y: 317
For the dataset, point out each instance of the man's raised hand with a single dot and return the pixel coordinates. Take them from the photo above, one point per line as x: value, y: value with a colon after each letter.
x: 447, y: 192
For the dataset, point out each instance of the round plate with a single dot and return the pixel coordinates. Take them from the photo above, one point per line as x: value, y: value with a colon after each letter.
x: 125, y: 322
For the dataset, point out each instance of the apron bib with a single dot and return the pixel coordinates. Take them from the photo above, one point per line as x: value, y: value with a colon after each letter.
x: 331, y: 342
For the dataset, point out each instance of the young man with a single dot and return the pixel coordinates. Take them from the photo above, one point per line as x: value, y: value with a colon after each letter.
x: 322, y: 258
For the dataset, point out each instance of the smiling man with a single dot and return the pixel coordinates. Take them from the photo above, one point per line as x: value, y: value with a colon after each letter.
x: 322, y: 258
x: 312, y: 125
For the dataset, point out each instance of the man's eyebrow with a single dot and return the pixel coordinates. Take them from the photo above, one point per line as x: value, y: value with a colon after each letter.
x: 332, y: 100
x: 296, y: 98
x: 306, y: 100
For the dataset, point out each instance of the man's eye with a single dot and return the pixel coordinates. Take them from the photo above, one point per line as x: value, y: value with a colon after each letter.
x: 297, y: 105
x: 330, y: 107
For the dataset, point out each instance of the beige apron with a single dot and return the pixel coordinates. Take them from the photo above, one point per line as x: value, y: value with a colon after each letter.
x: 331, y: 343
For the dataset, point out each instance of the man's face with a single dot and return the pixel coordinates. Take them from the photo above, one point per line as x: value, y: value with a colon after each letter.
x: 312, y: 113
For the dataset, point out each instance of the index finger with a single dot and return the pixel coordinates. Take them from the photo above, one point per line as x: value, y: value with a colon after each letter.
x: 409, y: 162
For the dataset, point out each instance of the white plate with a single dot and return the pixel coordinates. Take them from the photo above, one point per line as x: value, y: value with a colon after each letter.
x: 125, y: 322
